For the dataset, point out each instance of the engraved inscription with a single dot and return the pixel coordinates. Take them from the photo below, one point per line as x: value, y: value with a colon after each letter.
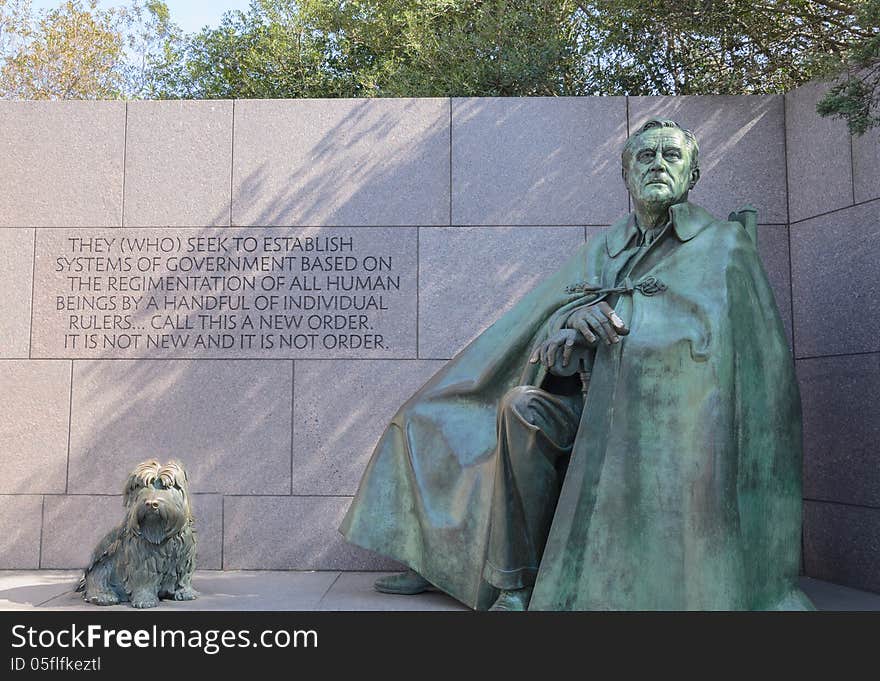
x: 218, y: 293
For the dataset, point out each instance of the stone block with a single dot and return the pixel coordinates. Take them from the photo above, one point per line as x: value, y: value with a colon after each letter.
x: 820, y: 175
x: 73, y: 526
x: 226, y: 293
x: 742, y: 149
x: 834, y: 283
x: 866, y: 165
x: 842, y: 544
x: 35, y: 405
x: 62, y: 163
x: 208, y: 512
x: 227, y: 421
x: 340, y: 410
x: 537, y: 160
x: 341, y: 162
x: 178, y: 163
x: 20, y: 522
x: 841, y: 429
x: 16, y: 275
x: 291, y: 533
x: 774, y: 252
x: 486, y: 268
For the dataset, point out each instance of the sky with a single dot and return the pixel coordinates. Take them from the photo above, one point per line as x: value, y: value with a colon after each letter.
x: 190, y: 15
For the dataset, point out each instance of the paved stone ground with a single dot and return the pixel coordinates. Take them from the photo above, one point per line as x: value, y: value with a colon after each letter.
x: 277, y: 590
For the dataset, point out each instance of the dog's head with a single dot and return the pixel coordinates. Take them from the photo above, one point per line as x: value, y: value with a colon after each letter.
x: 157, y: 499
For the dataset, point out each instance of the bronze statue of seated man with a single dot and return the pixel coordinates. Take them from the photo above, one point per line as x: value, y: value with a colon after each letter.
x: 627, y: 436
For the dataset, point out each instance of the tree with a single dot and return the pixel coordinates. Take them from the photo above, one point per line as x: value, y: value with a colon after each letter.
x: 856, y: 96
x: 14, y: 15
x: 375, y: 48
x: 706, y: 47
x: 313, y: 48
x: 456, y: 47
x: 148, y: 33
x: 738, y: 47
x: 72, y: 52
x: 80, y: 51
x: 273, y: 50
x: 306, y: 48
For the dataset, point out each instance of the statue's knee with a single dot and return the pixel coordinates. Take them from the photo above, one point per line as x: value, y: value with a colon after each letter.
x: 518, y: 400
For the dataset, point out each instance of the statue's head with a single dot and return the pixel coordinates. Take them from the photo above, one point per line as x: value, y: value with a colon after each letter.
x: 660, y: 163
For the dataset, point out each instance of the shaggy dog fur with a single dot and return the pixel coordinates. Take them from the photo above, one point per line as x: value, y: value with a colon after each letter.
x: 151, y: 555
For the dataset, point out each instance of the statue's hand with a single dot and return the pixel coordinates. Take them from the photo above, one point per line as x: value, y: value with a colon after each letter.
x: 597, y: 322
x: 564, y: 339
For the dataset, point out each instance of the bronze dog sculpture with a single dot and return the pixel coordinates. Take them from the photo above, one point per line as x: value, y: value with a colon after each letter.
x: 151, y: 555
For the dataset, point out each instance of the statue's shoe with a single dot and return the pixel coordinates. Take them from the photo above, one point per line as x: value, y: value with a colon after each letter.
x: 516, y: 600
x: 405, y: 583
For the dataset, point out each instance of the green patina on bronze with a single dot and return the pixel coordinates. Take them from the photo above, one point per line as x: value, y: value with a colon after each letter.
x: 681, y: 487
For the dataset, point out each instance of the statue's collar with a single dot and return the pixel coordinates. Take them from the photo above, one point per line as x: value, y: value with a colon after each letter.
x: 687, y: 220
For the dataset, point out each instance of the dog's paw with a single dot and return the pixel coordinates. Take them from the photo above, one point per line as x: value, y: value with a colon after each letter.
x: 103, y: 599
x: 144, y: 601
x: 187, y: 593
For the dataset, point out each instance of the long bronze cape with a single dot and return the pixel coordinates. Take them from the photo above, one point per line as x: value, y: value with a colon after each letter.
x: 684, y: 484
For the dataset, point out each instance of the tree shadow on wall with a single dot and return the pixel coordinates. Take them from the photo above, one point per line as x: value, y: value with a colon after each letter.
x: 363, y: 162
x: 230, y: 418
x: 538, y: 161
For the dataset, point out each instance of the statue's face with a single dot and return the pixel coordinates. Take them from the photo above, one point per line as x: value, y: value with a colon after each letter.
x: 659, y: 170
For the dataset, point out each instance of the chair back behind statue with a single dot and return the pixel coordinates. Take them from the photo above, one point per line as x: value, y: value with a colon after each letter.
x: 747, y: 216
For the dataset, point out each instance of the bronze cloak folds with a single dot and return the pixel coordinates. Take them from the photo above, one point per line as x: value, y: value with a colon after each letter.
x: 684, y: 484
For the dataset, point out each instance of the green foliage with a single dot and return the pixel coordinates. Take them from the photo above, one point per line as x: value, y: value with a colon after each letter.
x: 284, y: 48
x: 856, y: 96
x: 706, y: 47
x: 456, y: 47
x: 388, y: 48
x: 316, y: 48
x: 78, y: 50
x: 71, y: 52
x: 149, y: 32
x: 14, y: 18
x: 274, y: 50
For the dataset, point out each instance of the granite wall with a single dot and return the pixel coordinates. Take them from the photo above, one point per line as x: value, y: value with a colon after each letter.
x: 834, y: 207
x: 420, y: 205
